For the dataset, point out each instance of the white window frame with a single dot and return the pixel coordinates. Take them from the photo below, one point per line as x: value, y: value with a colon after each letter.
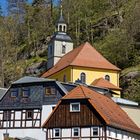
x: 71, y: 110
x: 54, y: 132
x: 93, y: 130
x: 73, y: 131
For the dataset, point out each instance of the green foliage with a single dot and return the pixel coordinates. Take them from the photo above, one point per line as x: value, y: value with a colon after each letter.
x: 113, y: 27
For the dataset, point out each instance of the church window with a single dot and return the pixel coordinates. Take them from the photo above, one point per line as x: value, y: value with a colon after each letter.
x: 63, y: 49
x: 64, y: 28
x: 83, y: 78
x: 64, y: 78
x: 107, y: 77
x: 60, y: 28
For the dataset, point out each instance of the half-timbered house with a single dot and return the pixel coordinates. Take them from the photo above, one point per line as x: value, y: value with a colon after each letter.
x: 87, y: 115
x: 28, y: 102
x: 25, y: 106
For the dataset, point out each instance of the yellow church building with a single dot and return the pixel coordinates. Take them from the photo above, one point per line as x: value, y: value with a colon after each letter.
x: 83, y: 64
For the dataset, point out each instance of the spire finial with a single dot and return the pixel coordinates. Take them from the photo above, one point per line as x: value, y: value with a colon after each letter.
x: 61, y: 9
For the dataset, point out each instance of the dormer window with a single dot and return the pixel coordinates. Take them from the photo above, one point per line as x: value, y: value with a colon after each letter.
x: 50, y: 91
x: 74, y: 107
x: 25, y: 92
x: 14, y: 92
x: 107, y: 77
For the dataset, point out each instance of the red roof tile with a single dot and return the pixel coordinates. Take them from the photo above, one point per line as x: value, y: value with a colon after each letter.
x: 112, y: 114
x: 101, y: 82
x: 83, y: 56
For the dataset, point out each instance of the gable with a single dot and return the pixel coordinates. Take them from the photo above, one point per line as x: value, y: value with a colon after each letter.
x: 86, y: 117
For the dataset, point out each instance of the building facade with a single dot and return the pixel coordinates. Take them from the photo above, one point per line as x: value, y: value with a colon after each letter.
x: 25, y: 106
x: 85, y: 114
x: 60, y: 44
x: 84, y: 64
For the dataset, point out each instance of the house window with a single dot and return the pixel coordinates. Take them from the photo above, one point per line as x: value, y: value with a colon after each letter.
x: 14, y: 92
x: 95, y: 131
x: 63, y: 49
x: 50, y: 91
x: 76, y: 132
x: 75, y: 107
x: 29, y: 114
x: 83, y: 78
x: 57, y: 132
x: 25, y: 92
x: 107, y: 77
x: 6, y: 115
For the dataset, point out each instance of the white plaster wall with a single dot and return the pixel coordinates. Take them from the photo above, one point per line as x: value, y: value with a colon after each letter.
x: 46, y: 111
x: 66, y: 132
x: 85, y: 132
x: 58, y: 48
x: 33, y: 133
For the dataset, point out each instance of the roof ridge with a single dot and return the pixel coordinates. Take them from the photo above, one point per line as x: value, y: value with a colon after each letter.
x: 83, y: 91
x: 80, y: 47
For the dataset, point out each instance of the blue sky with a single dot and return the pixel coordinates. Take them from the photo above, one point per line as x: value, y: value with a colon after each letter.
x: 3, y: 4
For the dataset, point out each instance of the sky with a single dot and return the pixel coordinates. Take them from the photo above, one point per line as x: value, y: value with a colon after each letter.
x: 3, y: 4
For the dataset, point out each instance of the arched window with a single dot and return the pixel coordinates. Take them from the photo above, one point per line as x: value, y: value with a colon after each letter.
x: 63, y: 49
x: 64, y: 28
x: 83, y: 78
x: 60, y: 28
x: 107, y: 77
x: 64, y: 78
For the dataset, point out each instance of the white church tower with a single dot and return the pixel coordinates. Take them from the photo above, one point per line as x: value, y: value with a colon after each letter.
x: 60, y: 44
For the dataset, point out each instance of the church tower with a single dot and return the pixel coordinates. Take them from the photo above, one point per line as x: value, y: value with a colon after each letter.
x: 60, y: 44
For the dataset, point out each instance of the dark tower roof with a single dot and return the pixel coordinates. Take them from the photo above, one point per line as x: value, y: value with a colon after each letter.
x: 61, y: 19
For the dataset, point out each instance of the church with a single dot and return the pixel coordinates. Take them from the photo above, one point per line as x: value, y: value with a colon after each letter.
x: 84, y: 64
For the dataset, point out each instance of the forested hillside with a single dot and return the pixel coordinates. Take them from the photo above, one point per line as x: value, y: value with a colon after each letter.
x: 112, y: 26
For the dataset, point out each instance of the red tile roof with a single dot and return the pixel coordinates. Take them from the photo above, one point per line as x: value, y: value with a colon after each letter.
x: 83, y: 56
x: 101, y: 82
x: 112, y: 114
